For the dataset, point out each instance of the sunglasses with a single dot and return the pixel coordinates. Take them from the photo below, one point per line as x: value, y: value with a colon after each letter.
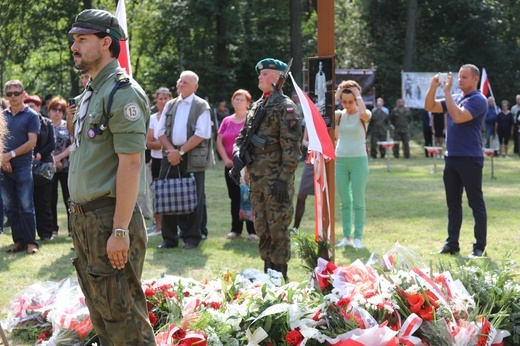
x: 57, y: 109
x: 13, y: 93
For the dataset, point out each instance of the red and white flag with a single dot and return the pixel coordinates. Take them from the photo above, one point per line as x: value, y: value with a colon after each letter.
x: 319, y: 139
x: 124, y: 56
x: 321, y: 149
x: 484, y: 83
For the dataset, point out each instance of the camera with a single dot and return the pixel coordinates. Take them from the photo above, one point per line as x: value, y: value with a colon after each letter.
x: 72, y: 101
x: 443, y: 77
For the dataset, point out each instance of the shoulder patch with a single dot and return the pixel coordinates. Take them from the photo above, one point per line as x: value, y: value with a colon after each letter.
x: 289, y: 109
x: 132, y: 111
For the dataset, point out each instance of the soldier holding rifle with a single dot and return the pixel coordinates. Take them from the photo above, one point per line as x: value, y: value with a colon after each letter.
x: 269, y: 147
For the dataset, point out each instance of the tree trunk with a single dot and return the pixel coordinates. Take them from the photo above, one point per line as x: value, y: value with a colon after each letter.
x: 296, y: 40
x: 409, y: 45
x: 222, y: 54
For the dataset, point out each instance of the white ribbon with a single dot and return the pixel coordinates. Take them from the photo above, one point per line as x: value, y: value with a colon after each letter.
x: 255, y: 338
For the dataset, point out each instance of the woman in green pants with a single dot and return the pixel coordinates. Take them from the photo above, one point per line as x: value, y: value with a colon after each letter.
x: 351, y: 161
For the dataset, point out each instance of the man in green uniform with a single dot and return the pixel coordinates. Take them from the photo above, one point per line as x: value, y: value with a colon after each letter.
x: 377, y: 127
x: 400, y: 118
x: 272, y: 170
x: 106, y: 175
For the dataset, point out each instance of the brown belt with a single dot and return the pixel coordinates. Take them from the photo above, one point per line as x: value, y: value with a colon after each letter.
x: 268, y: 149
x: 82, y: 208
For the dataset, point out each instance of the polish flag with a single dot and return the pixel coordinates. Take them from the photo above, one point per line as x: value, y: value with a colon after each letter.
x: 321, y: 149
x: 124, y: 56
x: 484, y: 83
x: 319, y: 139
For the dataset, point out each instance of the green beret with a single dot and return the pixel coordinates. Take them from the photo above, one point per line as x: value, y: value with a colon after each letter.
x: 271, y: 64
x: 94, y: 21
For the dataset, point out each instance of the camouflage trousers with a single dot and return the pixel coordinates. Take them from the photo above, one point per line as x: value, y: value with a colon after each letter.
x: 115, y: 298
x: 272, y: 221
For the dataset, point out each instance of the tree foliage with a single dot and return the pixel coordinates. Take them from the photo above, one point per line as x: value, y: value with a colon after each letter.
x: 223, y: 40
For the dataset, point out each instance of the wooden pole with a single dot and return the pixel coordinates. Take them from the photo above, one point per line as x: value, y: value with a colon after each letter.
x: 326, y: 47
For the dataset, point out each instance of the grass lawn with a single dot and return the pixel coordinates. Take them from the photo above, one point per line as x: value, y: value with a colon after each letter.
x: 405, y: 204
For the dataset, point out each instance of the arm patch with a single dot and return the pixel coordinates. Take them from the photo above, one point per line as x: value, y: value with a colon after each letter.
x: 293, y: 126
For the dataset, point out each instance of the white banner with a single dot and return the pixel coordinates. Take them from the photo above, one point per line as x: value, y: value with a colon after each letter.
x: 414, y: 86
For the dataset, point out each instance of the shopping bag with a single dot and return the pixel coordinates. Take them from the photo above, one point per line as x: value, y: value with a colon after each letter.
x: 175, y: 195
x: 246, y: 211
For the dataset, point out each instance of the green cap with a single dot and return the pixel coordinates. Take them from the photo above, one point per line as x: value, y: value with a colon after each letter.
x: 94, y: 21
x: 271, y: 64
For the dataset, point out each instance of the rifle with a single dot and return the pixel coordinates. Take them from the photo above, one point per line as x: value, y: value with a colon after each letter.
x: 252, y: 139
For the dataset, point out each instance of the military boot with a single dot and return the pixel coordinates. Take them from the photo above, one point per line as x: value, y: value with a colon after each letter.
x: 282, y: 268
x: 267, y: 265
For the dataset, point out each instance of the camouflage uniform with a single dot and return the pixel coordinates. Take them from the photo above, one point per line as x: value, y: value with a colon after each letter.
x: 400, y: 118
x: 281, y: 127
x: 378, y: 126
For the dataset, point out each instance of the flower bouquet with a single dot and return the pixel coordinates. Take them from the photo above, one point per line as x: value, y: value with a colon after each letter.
x: 51, y: 313
x: 388, y: 301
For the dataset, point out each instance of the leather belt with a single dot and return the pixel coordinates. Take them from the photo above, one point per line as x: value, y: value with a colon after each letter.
x: 82, y: 208
x: 268, y: 149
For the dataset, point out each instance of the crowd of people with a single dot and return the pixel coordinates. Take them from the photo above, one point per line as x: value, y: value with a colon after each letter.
x: 54, y: 143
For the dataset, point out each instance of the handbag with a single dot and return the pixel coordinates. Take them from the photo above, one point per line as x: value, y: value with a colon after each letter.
x: 175, y: 196
x: 43, y: 172
x: 246, y: 211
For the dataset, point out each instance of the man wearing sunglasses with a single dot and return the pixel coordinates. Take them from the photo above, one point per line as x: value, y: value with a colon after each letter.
x: 16, y: 178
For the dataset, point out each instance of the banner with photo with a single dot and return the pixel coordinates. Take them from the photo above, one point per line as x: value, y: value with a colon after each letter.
x: 414, y: 86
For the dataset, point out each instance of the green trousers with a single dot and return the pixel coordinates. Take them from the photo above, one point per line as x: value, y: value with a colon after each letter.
x: 115, y: 298
x: 351, y: 182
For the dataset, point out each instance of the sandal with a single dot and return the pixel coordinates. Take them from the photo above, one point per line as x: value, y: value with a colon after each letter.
x: 16, y: 247
x: 32, y: 249
x: 233, y: 235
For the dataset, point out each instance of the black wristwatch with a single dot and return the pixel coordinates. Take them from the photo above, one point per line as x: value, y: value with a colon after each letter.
x: 119, y: 232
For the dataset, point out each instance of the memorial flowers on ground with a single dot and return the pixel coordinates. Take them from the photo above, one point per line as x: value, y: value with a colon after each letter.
x: 393, y: 300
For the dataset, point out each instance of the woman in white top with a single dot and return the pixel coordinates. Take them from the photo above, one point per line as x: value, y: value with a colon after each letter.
x: 162, y: 96
x: 351, y: 161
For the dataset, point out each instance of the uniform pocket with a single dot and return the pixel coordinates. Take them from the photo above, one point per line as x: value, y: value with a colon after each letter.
x: 105, y: 290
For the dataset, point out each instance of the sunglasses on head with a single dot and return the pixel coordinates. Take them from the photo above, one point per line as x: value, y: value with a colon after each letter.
x: 15, y: 93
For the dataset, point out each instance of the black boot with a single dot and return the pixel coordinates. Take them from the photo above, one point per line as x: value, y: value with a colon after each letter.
x: 282, y: 268
x: 267, y: 265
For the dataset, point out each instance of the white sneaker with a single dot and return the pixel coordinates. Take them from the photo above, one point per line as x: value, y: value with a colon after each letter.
x: 345, y: 242
x: 358, y: 244
x: 154, y: 234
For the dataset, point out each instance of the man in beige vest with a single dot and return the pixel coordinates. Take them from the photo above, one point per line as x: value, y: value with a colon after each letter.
x: 185, y: 134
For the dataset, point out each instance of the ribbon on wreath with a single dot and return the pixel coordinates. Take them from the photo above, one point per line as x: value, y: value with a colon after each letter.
x: 410, y: 326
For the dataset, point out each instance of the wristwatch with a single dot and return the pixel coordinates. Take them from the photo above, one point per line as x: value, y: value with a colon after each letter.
x: 119, y: 232
x: 181, y: 152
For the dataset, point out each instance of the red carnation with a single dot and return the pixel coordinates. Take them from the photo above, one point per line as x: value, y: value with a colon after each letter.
x: 152, y: 318
x: 215, y: 305
x: 294, y: 337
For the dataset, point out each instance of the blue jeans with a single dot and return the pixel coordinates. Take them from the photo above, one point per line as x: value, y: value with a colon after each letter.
x: 465, y: 173
x: 17, y: 194
x: 490, y: 131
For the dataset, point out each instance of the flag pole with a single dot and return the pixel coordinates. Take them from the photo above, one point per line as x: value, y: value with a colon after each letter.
x: 326, y: 48
x: 493, y: 96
